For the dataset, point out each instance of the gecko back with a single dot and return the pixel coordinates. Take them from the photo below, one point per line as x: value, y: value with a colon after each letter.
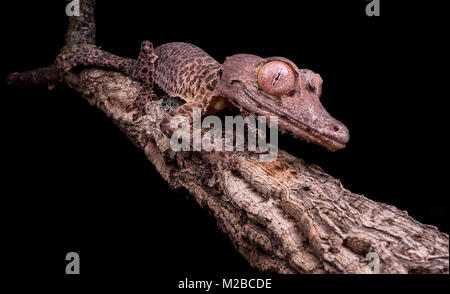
x: 186, y: 71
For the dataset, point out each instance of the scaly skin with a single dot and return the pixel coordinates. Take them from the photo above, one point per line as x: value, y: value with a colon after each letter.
x: 259, y: 86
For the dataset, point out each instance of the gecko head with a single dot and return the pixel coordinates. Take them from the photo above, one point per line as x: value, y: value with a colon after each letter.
x: 277, y: 87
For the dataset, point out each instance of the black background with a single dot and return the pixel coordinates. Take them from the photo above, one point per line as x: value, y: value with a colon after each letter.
x: 74, y: 182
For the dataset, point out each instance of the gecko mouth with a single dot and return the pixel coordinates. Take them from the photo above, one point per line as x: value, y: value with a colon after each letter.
x: 293, y: 126
x: 306, y: 133
x: 310, y: 135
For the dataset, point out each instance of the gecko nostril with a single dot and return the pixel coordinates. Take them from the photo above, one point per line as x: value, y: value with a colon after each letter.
x: 336, y: 129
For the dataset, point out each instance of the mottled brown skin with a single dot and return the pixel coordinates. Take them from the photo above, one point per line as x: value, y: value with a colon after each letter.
x: 259, y: 86
x: 295, y: 101
x: 142, y: 69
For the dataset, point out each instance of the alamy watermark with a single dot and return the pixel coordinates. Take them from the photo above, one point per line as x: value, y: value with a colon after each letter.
x: 213, y: 138
x: 373, y: 8
x: 73, y: 265
x: 73, y: 8
x: 374, y: 263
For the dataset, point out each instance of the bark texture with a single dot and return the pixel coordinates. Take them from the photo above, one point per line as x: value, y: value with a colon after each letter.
x: 284, y: 216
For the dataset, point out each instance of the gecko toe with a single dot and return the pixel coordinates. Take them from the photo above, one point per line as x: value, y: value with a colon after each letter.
x: 165, y: 127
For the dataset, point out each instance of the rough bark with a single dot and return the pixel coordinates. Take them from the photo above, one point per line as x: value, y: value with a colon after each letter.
x: 285, y: 216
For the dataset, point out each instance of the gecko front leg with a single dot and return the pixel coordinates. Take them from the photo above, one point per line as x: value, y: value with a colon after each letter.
x: 186, y: 110
x: 144, y: 71
x: 217, y: 161
x: 141, y: 69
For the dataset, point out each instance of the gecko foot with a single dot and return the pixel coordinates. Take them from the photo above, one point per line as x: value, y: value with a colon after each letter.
x: 78, y: 59
x: 140, y: 102
x: 165, y: 126
x: 217, y: 162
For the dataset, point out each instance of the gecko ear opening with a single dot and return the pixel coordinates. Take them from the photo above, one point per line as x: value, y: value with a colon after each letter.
x: 276, y: 78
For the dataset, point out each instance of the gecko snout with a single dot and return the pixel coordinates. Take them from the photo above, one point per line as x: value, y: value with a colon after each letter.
x: 339, y: 132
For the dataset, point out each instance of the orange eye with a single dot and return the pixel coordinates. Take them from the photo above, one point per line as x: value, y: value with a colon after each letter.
x: 276, y: 78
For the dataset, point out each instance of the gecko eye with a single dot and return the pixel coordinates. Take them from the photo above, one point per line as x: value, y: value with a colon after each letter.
x: 276, y: 78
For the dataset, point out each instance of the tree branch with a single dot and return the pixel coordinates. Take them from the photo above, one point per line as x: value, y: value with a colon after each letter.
x: 285, y: 216
x: 43, y: 76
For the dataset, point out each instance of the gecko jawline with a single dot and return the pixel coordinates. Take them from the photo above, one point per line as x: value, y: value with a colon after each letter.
x: 295, y: 127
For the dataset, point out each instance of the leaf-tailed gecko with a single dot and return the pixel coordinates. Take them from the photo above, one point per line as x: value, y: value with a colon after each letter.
x: 272, y: 86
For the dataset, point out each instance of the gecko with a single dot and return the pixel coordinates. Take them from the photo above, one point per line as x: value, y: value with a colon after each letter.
x: 272, y: 86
